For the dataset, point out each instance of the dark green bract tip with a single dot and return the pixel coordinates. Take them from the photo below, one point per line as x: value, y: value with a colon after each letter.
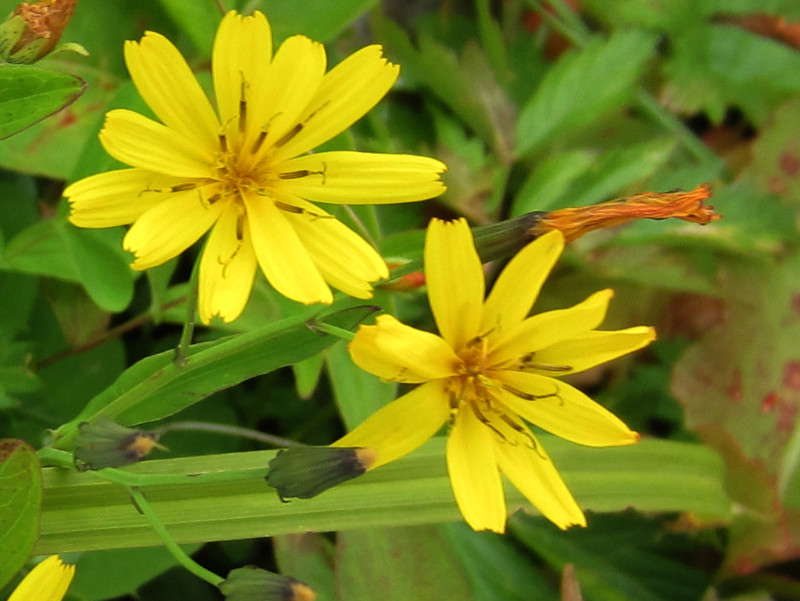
x: 305, y: 472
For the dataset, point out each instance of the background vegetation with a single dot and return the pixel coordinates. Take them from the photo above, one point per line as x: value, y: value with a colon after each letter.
x: 534, y: 107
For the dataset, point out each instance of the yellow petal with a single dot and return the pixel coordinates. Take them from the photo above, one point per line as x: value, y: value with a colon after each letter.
x: 474, y: 476
x: 454, y: 276
x: 168, y: 86
x: 116, y: 197
x: 242, y: 54
x: 345, y: 95
x: 141, y: 142
x: 48, y: 581
x: 282, y: 96
x: 403, y: 425
x: 169, y: 228
x: 544, y: 329
x: 281, y: 255
x: 346, y: 260
x: 532, y: 472
x: 518, y: 286
x: 594, y: 348
x: 562, y: 410
x: 227, y: 269
x: 344, y: 177
x: 395, y: 351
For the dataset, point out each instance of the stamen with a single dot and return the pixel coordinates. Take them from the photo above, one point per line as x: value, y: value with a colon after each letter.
x: 289, y: 135
x: 239, y: 242
x: 283, y: 206
x: 526, y: 362
x: 262, y: 135
x: 183, y: 187
x: 531, y: 397
x: 223, y: 142
x: 242, y: 106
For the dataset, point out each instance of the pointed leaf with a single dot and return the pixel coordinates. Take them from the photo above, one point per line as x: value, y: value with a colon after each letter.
x: 583, y: 87
x: 29, y: 94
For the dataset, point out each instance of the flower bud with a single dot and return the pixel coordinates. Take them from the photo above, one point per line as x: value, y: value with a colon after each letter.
x: 254, y: 584
x: 305, y: 472
x: 104, y: 443
x: 33, y: 30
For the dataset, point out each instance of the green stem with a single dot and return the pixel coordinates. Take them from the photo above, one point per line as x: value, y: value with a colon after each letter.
x: 182, y: 350
x: 179, y: 554
x: 56, y: 458
x: 269, y: 439
x: 326, y: 328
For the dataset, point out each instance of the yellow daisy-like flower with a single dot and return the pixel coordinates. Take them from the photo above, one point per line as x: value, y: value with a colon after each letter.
x: 492, y: 368
x: 48, y: 581
x: 242, y: 171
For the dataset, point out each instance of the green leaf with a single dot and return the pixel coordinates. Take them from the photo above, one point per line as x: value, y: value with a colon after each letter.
x: 620, y: 556
x: 225, y: 497
x: 466, y: 84
x: 402, y: 563
x: 546, y: 187
x: 713, y: 67
x: 309, y: 557
x: 118, y: 572
x: 496, y: 569
x: 321, y: 21
x: 56, y: 248
x: 157, y: 387
x: 21, y: 494
x: 582, y: 87
x: 358, y: 393
x: 29, y: 94
x: 740, y: 388
x: 776, y: 152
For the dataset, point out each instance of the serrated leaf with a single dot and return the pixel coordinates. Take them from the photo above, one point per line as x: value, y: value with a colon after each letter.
x: 582, y: 87
x: 29, y: 94
x: 21, y: 494
x: 713, y: 67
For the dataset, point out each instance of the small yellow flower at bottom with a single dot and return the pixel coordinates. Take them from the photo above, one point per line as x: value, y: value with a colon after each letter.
x: 492, y: 369
x: 48, y: 581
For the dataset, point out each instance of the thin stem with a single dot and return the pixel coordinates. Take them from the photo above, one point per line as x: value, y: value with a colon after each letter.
x: 187, y: 562
x: 326, y: 328
x: 269, y: 439
x: 221, y: 7
x: 111, y: 334
x: 182, y: 350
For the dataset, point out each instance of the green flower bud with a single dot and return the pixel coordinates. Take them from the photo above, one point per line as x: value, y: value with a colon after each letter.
x: 305, y: 472
x: 254, y: 584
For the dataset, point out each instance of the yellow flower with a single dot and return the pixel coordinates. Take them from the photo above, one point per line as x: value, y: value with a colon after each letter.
x: 48, y: 581
x: 491, y: 368
x: 243, y: 171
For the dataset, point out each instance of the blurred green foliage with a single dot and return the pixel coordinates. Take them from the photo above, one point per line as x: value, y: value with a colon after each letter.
x: 534, y: 106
